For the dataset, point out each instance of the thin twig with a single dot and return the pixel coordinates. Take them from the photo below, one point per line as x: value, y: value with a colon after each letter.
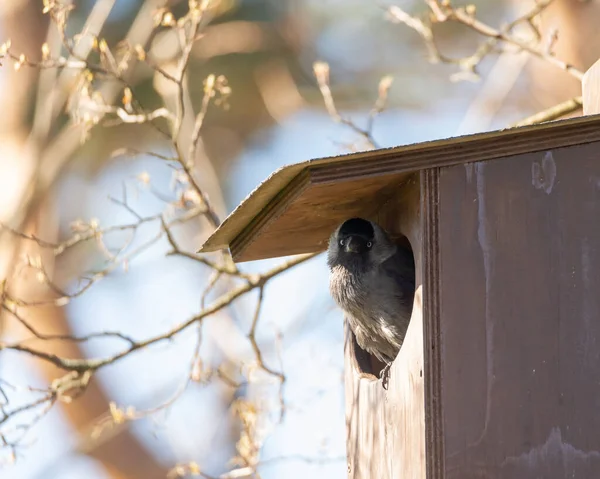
x: 83, y: 365
x: 557, y: 111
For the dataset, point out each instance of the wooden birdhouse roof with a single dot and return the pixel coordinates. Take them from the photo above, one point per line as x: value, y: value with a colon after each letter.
x: 296, y: 208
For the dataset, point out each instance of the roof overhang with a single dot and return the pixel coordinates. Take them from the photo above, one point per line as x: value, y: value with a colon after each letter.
x: 296, y: 208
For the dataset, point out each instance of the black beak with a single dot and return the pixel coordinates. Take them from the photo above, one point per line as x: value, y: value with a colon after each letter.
x: 352, y: 245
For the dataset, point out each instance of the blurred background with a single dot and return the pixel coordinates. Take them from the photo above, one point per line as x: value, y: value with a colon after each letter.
x: 51, y: 178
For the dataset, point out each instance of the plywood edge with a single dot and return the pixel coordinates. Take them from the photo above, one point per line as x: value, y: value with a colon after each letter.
x: 413, y: 157
x: 434, y: 442
x: 455, y: 153
x: 250, y: 206
x: 272, y: 211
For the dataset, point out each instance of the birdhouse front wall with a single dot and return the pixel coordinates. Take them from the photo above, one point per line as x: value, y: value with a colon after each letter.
x: 386, y: 428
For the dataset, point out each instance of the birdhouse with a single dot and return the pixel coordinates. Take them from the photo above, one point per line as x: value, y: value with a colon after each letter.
x: 499, y: 373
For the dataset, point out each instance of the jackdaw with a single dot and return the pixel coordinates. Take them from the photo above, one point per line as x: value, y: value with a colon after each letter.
x: 373, y: 281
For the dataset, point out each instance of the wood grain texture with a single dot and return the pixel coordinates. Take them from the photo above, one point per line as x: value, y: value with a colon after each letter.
x: 345, y: 174
x: 432, y: 314
x: 519, y: 276
x: 305, y: 215
x: 591, y: 90
x: 293, y: 190
x: 386, y: 428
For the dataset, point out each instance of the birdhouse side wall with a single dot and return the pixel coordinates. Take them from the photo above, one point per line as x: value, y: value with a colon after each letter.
x: 519, y: 317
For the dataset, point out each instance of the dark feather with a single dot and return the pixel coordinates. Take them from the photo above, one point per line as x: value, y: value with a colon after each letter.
x: 401, y: 267
x: 374, y: 284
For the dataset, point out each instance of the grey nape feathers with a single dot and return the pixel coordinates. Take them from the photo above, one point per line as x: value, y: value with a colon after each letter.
x: 373, y: 281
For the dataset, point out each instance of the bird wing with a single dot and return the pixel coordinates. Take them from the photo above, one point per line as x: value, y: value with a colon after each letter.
x: 401, y: 268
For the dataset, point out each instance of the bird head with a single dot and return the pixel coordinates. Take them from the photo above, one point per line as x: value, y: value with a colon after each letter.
x: 355, y: 236
x: 358, y: 243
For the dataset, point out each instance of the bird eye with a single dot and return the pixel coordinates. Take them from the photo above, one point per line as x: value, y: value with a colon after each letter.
x: 342, y: 242
x: 369, y: 244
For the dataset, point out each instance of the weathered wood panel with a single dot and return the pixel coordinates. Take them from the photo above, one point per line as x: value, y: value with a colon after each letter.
x: 519, y: 292
x: 386, y: 428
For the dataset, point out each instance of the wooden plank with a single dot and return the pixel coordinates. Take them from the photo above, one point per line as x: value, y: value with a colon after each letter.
x: 591, y: 90
x: 380, y: 163
x: 274, y: 209
x: 306, y: 222
x: 430, y: 207
x: 519, y: 277
x: 366, y: 448
x: 386, y: 429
